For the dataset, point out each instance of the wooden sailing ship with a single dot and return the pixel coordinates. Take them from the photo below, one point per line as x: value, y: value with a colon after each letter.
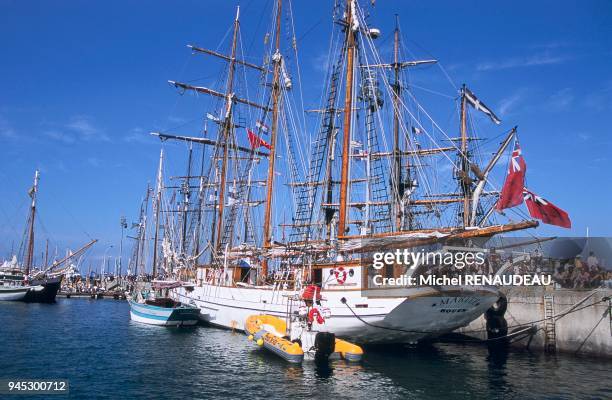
x: 31, y: 284
x: 365, y: 186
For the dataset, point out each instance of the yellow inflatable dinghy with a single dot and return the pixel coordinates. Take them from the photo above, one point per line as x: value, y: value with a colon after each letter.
x: 270, y: 332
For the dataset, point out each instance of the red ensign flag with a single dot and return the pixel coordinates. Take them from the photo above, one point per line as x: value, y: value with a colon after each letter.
x: 256, y: 141
x: 546, y: 211
x: 512, y: 192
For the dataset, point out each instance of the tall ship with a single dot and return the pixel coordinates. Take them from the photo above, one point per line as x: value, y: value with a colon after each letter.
x: 26, y: 282
x: 269, y: 219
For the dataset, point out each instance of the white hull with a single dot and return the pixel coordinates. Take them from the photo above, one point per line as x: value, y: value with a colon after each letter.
x: 13, y: 293
x: 415, y: 314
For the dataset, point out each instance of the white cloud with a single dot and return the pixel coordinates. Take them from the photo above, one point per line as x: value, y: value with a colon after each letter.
x: 79, y: 128
x: 584, y: 136
x: 525, y: 61
x: 83, y: 126
x: 60, y: 136
x: 560, y: 100
x: 6, y: 130
x: 507, y: 104
x: 138, y: 135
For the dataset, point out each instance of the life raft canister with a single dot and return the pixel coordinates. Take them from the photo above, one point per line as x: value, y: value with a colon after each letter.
x: 315, y: 313
x: 340, y: 275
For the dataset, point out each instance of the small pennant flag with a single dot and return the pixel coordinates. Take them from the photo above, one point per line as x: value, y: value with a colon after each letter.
x: 212, y: 117
x: 416, y: 130
x: 256, y: 141
x: 260, y: 125
x: 480, y: 106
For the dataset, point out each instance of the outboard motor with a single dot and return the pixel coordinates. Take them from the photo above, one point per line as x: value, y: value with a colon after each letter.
x: 325, y: 343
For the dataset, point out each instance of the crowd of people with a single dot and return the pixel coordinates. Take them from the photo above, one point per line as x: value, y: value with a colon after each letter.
x: 572, y: 273
x: 580, y: 274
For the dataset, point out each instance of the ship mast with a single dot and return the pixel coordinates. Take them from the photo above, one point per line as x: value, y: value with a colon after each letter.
x: 224, y: 144
x: 397, y: 159
x: 29, y: 259
x: 157, y: 210
x: 227, y: 127
x: 465, y: 162
x: 274, y: 133
x: 348, y: 107
x: 186, y: 194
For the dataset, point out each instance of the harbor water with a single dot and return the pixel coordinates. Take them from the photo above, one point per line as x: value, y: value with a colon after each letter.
x: 104, y: 355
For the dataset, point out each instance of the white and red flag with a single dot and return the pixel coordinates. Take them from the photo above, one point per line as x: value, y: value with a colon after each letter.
x: 512, y: 192
x: 546, y: 211
x: 260, y: 125
x: 256, y: 141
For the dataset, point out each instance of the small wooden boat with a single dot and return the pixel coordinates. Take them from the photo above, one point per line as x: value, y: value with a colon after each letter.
x: 152, y: 309
x: 270, y: 332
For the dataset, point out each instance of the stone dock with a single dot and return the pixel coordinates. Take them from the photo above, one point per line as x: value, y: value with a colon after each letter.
x: 569, y: 321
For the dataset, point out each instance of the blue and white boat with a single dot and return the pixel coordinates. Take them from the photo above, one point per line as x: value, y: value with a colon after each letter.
x: 162, y: 311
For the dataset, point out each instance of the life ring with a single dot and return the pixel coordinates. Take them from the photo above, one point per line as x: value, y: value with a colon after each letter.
x: 340, y: 275
x: 315, y: 313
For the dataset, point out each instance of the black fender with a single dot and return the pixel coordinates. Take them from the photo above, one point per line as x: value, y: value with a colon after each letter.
x: 498, y: 309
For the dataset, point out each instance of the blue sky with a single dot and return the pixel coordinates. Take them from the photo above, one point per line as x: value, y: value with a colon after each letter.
x: 84, y: 82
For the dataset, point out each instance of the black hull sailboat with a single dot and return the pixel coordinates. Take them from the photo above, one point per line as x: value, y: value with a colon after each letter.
x: 50, y: 287
x: 42, y: 284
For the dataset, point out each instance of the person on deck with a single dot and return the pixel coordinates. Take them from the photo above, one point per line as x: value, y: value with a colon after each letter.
x: 592, y: 261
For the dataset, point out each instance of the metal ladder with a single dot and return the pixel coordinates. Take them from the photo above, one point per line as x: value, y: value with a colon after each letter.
x: 550, y: 337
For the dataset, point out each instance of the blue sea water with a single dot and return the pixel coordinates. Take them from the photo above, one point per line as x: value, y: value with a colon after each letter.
x: 104, y: 355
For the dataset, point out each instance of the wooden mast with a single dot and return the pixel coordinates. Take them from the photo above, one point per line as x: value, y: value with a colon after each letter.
x: 186, y: 194
x: 30, y: 251
x: 465, y: 162
x: 348, y: 107
x: 274, y: 133
x: 397, y: 159
x: 157, y: 207
x: 227, y: 126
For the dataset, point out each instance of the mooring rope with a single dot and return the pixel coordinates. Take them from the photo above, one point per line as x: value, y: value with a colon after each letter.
x: 527, y: 331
